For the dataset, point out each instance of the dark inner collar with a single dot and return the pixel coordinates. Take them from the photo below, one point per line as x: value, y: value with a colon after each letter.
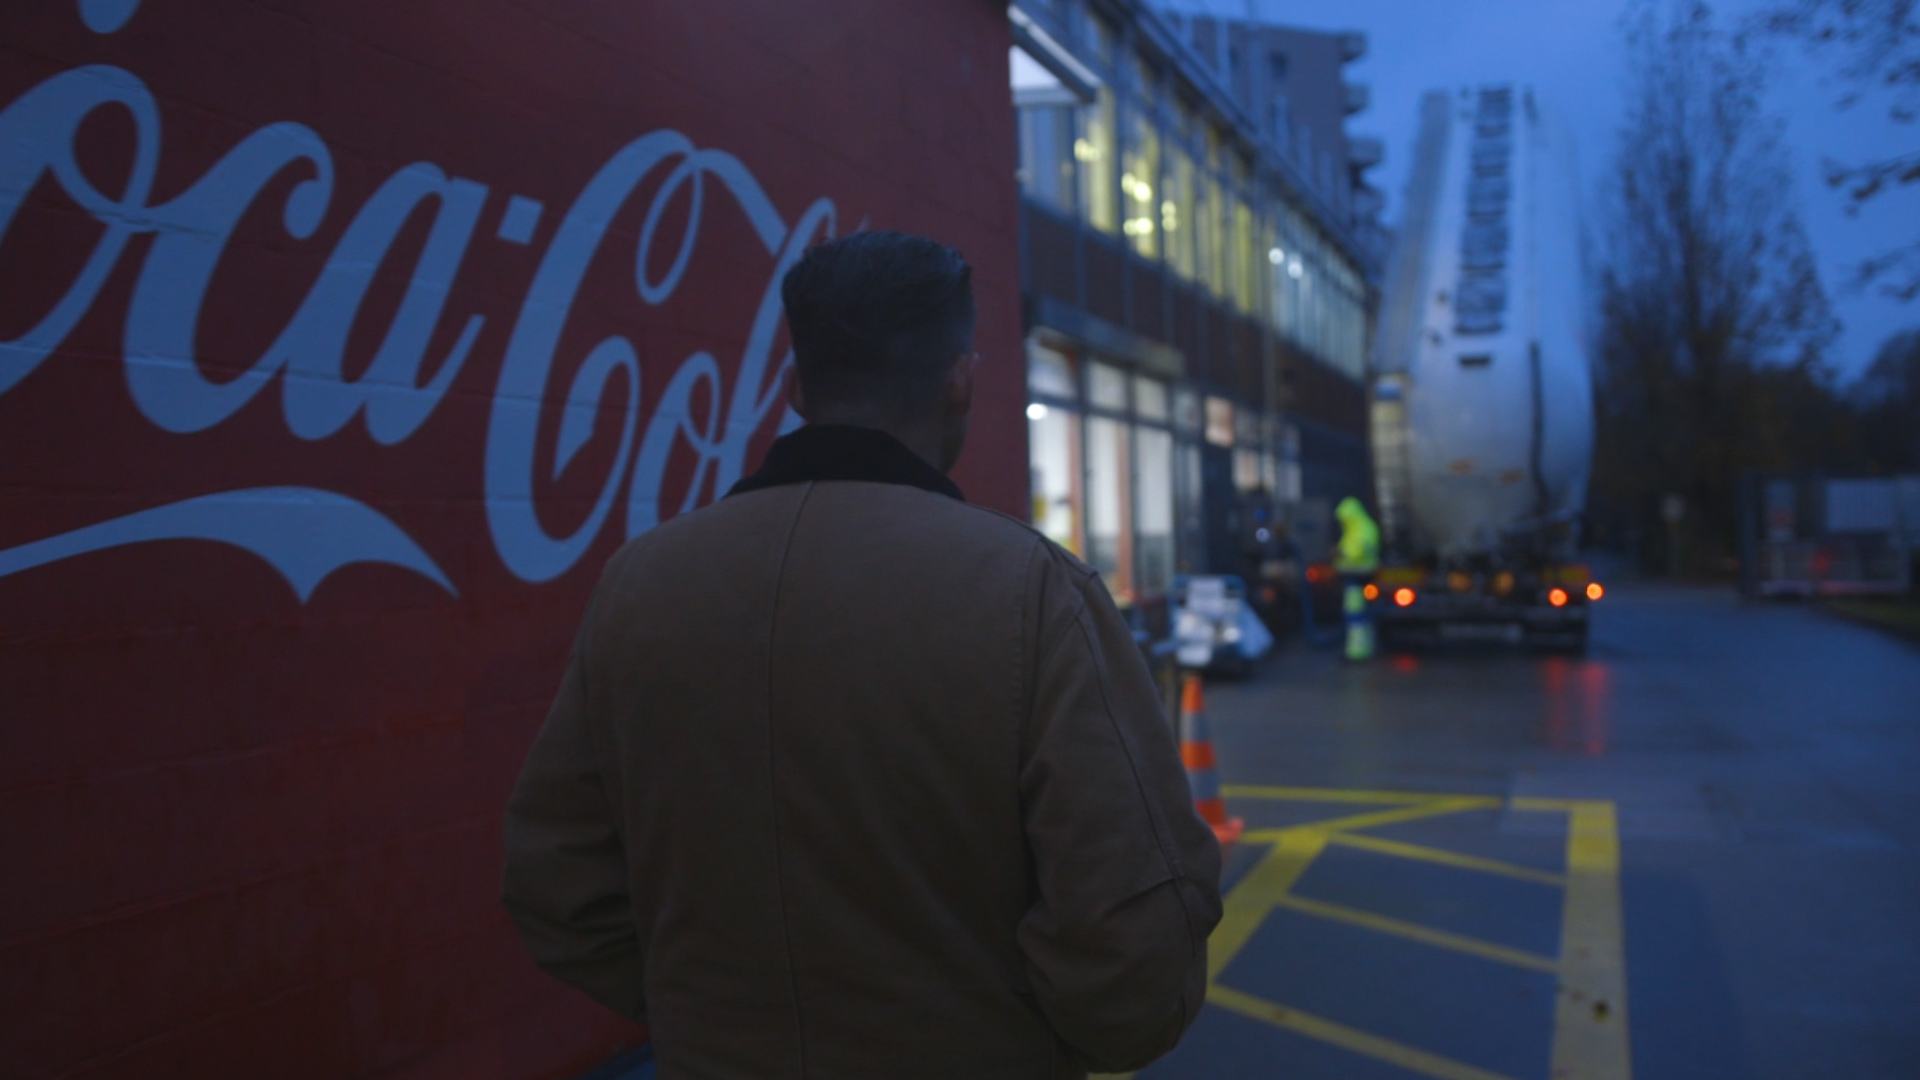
x: 845, y: 452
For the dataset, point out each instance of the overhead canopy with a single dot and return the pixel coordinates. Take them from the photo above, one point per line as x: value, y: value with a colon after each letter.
x: 1043, y: 71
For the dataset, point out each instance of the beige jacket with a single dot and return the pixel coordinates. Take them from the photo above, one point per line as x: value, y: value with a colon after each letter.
x: 853, y: 779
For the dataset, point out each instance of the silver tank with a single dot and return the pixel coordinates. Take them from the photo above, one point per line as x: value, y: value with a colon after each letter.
x: 1483, y: 397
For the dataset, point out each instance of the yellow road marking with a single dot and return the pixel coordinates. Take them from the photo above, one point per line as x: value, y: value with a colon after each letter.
x: 1395, y: 848
x: 1590, y: 1013
x: 1425, y: 935
x: 1340, y: 795
x: 1590, y: 1017
x: 1359, y: 1042
x: 1373, y: 819
x: 1251, y: 901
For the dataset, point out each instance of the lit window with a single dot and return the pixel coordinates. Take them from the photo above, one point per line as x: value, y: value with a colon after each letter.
x: 1053, y: 440
x: 1246, y: 470
x: 1106, y: 387
x: 1177, y: 210
x: 1139, y: 183
x: 1150, y: 399
x: 1153, y: 510
x: 1095, y: 153
x: 1219, y: 421
x: 1049, y: 372
x: 1109, y: 540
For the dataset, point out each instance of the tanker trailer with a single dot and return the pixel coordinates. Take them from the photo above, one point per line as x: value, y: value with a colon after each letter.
x: 1482, y: 402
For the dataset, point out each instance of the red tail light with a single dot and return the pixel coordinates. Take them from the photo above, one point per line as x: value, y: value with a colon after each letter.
x: 1403, y: 597
x: 1558, y: 598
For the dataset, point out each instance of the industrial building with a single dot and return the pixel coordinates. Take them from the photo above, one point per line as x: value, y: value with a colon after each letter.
x: 1200, y: 254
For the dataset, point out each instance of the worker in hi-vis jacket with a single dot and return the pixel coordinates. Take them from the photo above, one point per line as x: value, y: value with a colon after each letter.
x: 1356, y: 558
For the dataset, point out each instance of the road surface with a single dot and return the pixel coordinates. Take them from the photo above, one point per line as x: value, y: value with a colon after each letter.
x: 1692, y: 854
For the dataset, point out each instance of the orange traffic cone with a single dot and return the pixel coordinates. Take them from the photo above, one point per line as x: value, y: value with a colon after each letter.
x: 1196, y: 752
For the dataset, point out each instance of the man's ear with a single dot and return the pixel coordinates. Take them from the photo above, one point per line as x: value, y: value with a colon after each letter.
x: 795, y: 396
x: 960, y: 386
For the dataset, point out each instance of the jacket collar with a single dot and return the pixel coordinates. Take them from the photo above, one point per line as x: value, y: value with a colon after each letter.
x: 845, y: 452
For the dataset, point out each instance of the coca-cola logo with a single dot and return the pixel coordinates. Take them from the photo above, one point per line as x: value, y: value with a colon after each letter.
x: 306, y: 533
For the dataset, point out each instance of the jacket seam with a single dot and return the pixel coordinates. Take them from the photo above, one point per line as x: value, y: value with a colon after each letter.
x: 773, y: 786
x: 1161, y: 837
x: 1022, y: 682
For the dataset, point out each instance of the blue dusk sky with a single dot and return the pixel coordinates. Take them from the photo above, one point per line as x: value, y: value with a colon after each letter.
x: 1569, y: 51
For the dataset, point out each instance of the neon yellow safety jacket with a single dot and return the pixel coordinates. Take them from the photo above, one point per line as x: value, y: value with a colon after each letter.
x: 1359, y: 548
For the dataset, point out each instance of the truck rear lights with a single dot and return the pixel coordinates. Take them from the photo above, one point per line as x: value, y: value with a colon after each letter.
x: 1594, y: 591
x: 1403, y: 597
x: 1371, y: 592
x: 1557, y: 597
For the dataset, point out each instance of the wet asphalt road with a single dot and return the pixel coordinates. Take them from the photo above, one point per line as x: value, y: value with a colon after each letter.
x: 1762, y: 763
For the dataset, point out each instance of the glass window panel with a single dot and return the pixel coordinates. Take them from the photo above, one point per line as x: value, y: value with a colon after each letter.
x: 1219, y: 243
x: 1109, y: 540
x: 1246, y: 427
x: 1246, y: 470
x: 1107, y: 387
x: 1219, y: 421
x: 1140, y: 184
x: 1204, y: 193
x: 1186, y: 410
x: 1049, y: 371
x: 1095, y: 152
x: 1150, y: 398
x: 1288, y: 488
x: 1153, y: 510
x: 1046, y: 156
x: 1053, y: 438
x: 1286, y: 301
x: 1193, y: 533
x: 1265, y: 273
x: 1242, y: 269
x: 1177, y: 210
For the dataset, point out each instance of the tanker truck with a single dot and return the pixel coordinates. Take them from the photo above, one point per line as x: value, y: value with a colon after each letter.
x: 1482, y: 397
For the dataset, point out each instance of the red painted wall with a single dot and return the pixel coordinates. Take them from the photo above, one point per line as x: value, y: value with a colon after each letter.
x: 285, y: 587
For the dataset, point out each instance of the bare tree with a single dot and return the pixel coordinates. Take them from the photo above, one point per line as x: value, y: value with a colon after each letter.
x: 1875, y: 47
x: 1887, y: 402
x: 1713, y: 322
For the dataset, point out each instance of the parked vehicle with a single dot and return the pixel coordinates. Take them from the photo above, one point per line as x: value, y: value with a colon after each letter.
x: 1811, y: 535
x: 1482, y: 408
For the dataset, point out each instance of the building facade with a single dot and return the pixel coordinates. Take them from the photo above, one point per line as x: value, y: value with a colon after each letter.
x: 1200, y: 257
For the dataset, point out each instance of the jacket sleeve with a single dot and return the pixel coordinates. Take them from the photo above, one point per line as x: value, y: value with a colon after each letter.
x: 1127, y: 874
x: 565, y: 884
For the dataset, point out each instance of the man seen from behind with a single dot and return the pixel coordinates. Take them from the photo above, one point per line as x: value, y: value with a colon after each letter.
x: 849, y: 778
